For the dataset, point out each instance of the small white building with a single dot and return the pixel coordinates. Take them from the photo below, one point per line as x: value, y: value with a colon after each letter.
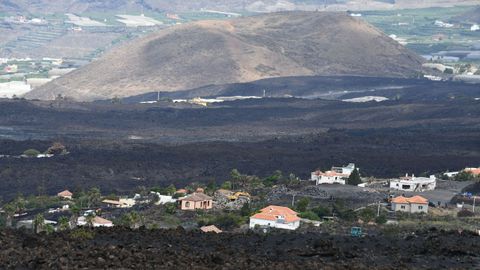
x: 96, y: 222
x: 275, y: 217
x: 328, y: 177
x: 415, y: 204
x: 414, y: 184
x: 121, y: 203
x: 345, y: 169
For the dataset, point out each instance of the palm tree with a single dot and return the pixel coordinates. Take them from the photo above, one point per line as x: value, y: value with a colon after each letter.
x: 64, y: 223
x: 135, y: 219
x: 75, y: 209
x: 38, y: 223
x: 94, y: 196
x: 90, y: 219
x: 10, y: 210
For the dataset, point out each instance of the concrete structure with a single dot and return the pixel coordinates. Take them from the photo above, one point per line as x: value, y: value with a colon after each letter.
x: 96, y: 222
x: 275, y: 217
x: 196, y: 201
x: 328, y: 177
x: 415, y: 204
x: 414, y: 184
x: 345, y: 169
x: 66, y: 194
x: 121, y: 203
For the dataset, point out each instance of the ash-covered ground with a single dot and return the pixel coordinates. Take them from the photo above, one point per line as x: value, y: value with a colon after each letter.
x: 178, y: 249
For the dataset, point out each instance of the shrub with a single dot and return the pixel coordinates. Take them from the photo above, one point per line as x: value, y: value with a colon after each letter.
x: 309, y: 215
x: 31, y: 153
x: 465, y: 213
x: 322, y: 211
x: 82, y: 234
x: 302, y: 204
x: 464, y: 176
x: 367, y: 214
x: 382, y: 219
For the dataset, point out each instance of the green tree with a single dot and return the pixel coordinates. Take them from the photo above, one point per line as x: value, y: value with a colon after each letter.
x: 10, y: 210
x: 354, y: 178
x: 227, y: 185
x: 246, y: 210
x: 39, y: 223
x: 381, y: 219
x: 302, y: 204
x: 75, y: 209
x: 94, y: 196
x: 235, y: 177
x: 89, y: 219
x: 367, y: 214
x: 309, y: 215
x: 464, y: 176
x: 135, y: 219
x: 63, y: 223
x: 170, y: 190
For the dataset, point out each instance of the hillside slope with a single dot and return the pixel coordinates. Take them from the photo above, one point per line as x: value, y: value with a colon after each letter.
x: 240, y: 50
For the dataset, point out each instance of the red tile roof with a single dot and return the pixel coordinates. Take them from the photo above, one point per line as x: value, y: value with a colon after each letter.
x: 65, y: 193
x: 273, y: 213
x: 197, y: 197
x: 474, y: 171
x: 405, y: 200
x: 330, y: 174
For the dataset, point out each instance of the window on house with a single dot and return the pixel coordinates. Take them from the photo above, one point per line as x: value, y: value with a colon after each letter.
x: 187, y: 204
x: 420, y: 207
x: 402, y: 207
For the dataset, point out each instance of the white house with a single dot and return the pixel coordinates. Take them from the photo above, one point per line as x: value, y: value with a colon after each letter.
x: 415, y: 204
x: 96, y: 222
x: 345, y: 169
x: 414, y: 184
x: 121, y: 203
x: 328, y: 177
x: 275, y: 217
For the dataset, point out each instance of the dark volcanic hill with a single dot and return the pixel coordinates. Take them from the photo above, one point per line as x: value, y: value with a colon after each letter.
x: 239, y: 50
x: 471, y: 16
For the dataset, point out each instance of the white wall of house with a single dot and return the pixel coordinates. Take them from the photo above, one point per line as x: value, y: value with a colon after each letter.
x: 418, y: 183
x: 273, y: 224
x: 328, y: 179
x: 410, y: 207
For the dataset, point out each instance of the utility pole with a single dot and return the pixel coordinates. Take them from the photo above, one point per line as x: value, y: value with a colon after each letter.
x: 378, y: 208
x: 158, y: 95
x: 474, y: 197
x: 293, y: 200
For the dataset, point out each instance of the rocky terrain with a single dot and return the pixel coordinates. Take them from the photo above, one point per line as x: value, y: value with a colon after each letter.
x: 166, y: 249
x: 119, y: 147
x: 238, y: 50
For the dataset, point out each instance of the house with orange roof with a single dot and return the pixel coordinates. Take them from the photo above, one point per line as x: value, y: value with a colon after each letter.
x: 473, y: 171
x: 66, y: 194
x: 415, y: 204
x: 328, y: 177
x: 275, y: 217
x: 196, y: 201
